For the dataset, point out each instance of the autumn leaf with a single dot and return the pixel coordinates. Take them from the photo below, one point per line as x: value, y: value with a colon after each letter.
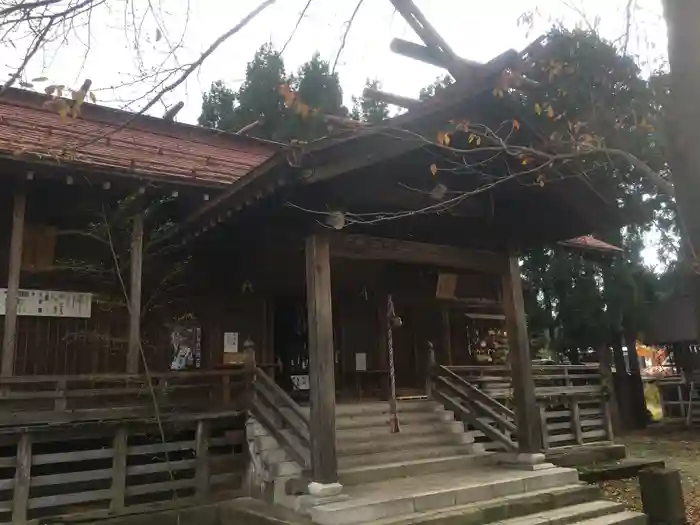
x: 471, y: 138
x: 498, y: 93
x: 538, y: 108
x: 302, y: 110
x: 433, y: 169
x: 516, y: 125
x: 550, y: 111
x: 478, y: 141
x: 443, y: 138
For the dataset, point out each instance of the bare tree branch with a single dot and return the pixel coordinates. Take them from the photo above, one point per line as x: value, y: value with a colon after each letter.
x: 27, y: 6
x: 187, y: 71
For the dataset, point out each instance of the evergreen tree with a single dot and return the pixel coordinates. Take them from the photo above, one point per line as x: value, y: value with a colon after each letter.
x: 286, y: 107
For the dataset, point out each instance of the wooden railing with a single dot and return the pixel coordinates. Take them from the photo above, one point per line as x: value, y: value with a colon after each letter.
x: 473, y: 407
x: 573, y: 403
x: 36, y: 400
x: 282, y: 417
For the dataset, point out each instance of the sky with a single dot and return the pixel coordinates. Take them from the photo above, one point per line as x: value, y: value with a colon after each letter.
x: 107, y: 49
x: 475, y: 31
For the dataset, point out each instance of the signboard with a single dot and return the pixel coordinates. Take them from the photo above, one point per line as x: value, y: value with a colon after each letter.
x: 50, y: 303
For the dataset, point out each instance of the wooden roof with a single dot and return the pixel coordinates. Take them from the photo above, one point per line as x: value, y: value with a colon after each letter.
x: 588, y: 242
x: 114, y: 141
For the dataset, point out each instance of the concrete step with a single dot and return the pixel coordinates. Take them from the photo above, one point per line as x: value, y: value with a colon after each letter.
x: 572, y: 514
x: 407, y: 429
x: 382, y: 420
x: 403, y: 455
x: 418, y: 467
x: 501, y: 508
x: 619, y: 518
x: 382, y: 407
x: 370, y: 502
x: 400, y: 441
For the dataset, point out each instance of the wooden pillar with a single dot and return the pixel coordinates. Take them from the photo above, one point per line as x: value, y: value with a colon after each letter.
x: 321, y: 360
x: 136, y: 260
x: 526, y: 411
x: 20, y: 494
x: 9, y: 339
x: 121, y: 451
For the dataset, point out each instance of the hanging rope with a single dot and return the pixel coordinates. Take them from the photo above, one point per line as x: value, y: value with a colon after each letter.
x: 390, y: 321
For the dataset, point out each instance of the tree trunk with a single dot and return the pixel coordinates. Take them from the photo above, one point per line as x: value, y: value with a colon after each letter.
x: 683, y: 20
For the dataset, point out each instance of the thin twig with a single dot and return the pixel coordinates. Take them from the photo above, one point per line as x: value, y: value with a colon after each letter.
x: 296, y: 26
x: 345, y: 35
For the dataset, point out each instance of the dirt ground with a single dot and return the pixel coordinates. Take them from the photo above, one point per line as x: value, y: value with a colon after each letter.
x: 679, y: 448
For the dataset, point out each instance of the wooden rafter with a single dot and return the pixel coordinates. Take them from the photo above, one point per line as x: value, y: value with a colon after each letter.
x: 430, y: 56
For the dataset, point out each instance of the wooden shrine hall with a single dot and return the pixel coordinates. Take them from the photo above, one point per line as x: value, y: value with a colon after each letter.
x: 171, y: 291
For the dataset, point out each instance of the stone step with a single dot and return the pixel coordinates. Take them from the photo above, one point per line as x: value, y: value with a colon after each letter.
x: 419, y: 493
x: 382, y: 420
x: 571, y: 514
x: 501, y: 508
x: 620, y: 518
x: 418, y: 467
x: 403, y: 407
x: 346, y: 435
x: 400, y: 441
x: 403, y: 455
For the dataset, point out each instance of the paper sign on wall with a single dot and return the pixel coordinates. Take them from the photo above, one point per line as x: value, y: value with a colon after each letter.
x: 230, y: 342
x: 361, y: 362
x: 50, y: 303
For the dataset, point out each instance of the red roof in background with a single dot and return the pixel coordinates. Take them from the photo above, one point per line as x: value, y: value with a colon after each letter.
x: 588, y: 242
x: 147, y: 147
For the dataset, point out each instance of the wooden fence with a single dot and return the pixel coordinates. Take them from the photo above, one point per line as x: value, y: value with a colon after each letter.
x: 95, y: 446
x: 573, y: 402
x: 674, y: 395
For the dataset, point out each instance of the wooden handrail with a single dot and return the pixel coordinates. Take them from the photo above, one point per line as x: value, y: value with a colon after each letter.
x: 478, y: 394
x: 97, y: 378
x: 281, y: 394
x: 269, y: 408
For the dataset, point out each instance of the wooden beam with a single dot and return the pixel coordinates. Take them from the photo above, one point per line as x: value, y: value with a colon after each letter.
x: 390, y: 98
x: 354, y: 246
x: 527, y: 414
x: 324, y: 462
x: 430, y: 56
x: 427, y: 33
x: 173, y: 110
x: 136, y: 262
x: 9, y: 339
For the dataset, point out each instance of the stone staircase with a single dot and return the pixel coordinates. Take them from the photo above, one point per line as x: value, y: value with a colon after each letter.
x: 432, y: 472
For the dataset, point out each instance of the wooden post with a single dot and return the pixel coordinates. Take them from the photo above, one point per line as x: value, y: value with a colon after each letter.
x: 14, y: 268
x: 321, y: 360
x: 202, y: 451
x: 526, y: 412
x: 20, y: 496
x: 611, y: 411
x: 447, y: 334
x: 133, y: 357
x: 120, y: 448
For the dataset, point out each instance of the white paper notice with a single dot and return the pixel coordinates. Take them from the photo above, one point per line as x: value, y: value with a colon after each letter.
x: 361, y: 362
x: 231, y: 342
